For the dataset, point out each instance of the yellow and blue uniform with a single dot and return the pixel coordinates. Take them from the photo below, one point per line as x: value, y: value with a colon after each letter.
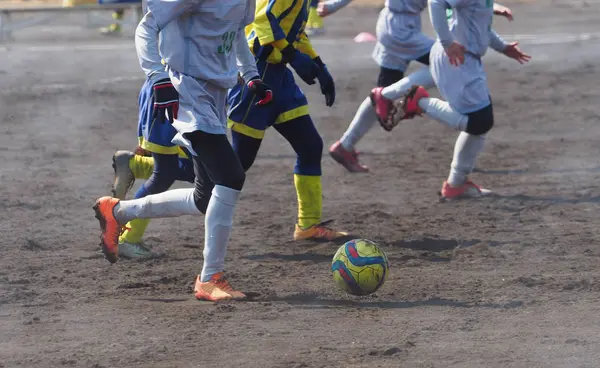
x: 279, y: 24
x: 276, y: 21
x: 276, y: 38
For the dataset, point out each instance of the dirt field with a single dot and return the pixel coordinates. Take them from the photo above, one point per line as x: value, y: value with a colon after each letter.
x: 509, y: 281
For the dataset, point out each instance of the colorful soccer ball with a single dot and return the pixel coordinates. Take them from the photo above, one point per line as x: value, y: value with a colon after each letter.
x: 360, y: 267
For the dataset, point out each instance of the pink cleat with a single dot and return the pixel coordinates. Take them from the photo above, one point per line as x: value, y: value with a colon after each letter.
x: 384, y: 108
x: 410, y: 102
x: 348, y: 159
x: 467, y: 190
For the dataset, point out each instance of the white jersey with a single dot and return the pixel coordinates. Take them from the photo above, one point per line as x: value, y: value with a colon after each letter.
x: 399, y: 36
x: 471, y: 24
x: 198, y: 38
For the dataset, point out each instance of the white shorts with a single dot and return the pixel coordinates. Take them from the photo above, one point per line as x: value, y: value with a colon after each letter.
x: 464, y: 87
x: 399, y: 40
x: 201, y: 107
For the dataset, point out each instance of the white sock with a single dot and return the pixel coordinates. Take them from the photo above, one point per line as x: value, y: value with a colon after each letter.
x: 172, y: 203
x: 217, y: 227
x: 363, y: 121
x: 466, y: 150
x: 421, y: 77
x: 443, y: 112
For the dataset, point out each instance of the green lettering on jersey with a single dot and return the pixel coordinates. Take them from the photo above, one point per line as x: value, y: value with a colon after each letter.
x: 227, y: 45
x: 489, y: 3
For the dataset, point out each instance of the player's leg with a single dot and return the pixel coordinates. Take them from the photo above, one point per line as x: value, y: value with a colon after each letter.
x: 468, y: 109
x: 308, y: 145
x: 383, y: 98
x: 161, y: 179
x: 129, y: 166
x: 343, y: 151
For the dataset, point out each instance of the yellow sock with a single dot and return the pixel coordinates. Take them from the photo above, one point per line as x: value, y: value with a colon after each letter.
x: 141, y: 166
x: 314, y: 20
x: 310, y: 200
x: 135, y: 231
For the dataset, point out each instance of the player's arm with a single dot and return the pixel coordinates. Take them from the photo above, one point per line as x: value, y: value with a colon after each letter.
x: 329, y: 7
x: 146, y: 46
x: 246, y: 64
x: 165, y: 99
x: 503, y: 11
x: 439, y: 20
x: 324, y: 77
x: 511, y: 49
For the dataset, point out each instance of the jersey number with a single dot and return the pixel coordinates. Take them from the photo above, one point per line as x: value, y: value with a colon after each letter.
x: 489, y: 3
x: 227, y: 45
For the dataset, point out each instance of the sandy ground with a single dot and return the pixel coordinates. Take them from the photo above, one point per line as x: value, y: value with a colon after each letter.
x: 508, y: 281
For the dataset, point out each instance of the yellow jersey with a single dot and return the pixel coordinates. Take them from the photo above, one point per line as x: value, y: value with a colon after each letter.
x: 278, y: 23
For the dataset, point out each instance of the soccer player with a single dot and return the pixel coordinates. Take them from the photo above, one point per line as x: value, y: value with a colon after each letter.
x: 399, y: 41
x: 199, y: 43
x: 277, y: 39
x: 459, y: 75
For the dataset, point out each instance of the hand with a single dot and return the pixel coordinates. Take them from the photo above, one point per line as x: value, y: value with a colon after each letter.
x: 322, y: 10
x: 165, y: 99
x: 456, y: 53
x: 503, y: 11
x: 304, y: 66
x: 513, y: 51
x: 261, y: 90
x: 326, y: 82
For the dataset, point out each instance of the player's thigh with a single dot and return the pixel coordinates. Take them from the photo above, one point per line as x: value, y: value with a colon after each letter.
x: 216, y: 160
x: 154, y: 133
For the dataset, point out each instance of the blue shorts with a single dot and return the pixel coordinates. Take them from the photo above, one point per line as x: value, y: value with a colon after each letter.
x: 288, y: 102
x: 154, y: 135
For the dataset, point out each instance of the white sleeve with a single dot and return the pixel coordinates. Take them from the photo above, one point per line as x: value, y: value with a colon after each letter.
x: 439, y: 20
x: 165, y: 11
x: 331, y: 6
x: 496, y: 42
x: 246, y: 64
x: 146, y: 46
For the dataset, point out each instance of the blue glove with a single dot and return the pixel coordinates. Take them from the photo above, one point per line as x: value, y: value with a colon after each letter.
x: 326, y: 82
x: 304, y: 66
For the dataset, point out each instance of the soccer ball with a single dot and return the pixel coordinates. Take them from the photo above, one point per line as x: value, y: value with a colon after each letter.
x: 360, y: 267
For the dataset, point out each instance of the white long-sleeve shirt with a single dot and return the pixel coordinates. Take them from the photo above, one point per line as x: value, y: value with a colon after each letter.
x: 201, y: 38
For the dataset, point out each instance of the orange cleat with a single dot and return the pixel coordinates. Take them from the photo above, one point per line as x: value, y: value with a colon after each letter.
x: 467, y: 190
x: 318, y: 232
x: 111, y: 229
x: 216, y: 289
x: 348, y: 159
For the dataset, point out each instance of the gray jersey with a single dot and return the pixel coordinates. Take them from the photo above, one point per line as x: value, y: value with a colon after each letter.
x: 399, y: 36
x: 197, y: 37
x: 406, y: 6
x: 470, y: 24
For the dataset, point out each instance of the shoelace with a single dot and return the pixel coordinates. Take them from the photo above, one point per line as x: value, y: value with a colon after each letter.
x: 223, y: 284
